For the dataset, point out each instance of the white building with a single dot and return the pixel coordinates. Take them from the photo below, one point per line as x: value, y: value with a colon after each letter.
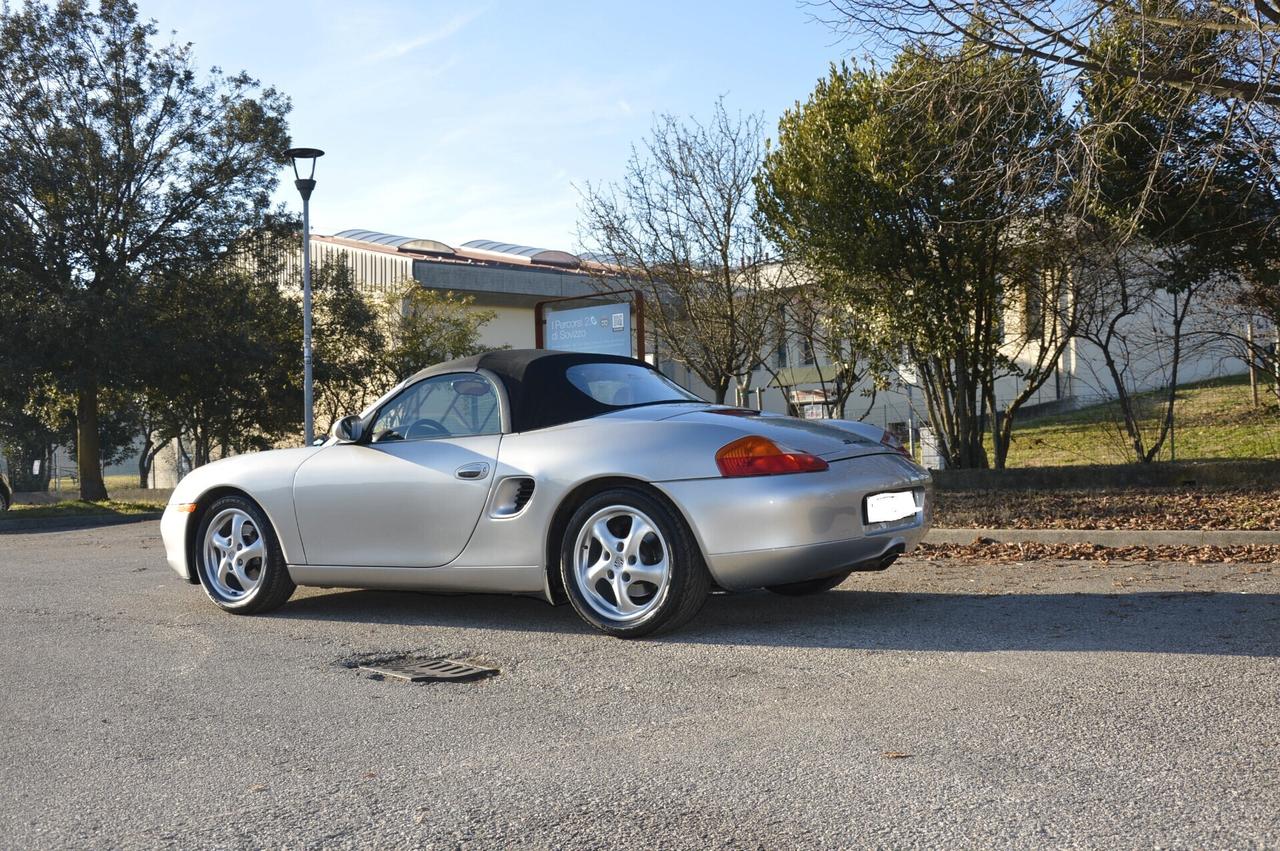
x: 512, y: 280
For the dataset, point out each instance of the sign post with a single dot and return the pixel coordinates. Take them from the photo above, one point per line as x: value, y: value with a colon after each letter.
x: 596, y: 325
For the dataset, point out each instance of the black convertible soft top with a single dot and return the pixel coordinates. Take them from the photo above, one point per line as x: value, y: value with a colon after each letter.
x: 539, y: 392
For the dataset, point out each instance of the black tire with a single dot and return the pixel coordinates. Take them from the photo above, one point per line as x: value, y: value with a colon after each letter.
x: 809, y: 586
x: 688, y: 580
x: 4, y: 500
x: 274, y: 586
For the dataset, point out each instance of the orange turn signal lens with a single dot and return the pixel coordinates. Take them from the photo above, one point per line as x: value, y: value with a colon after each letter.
x: 184, y: 507
x: 759, y: 456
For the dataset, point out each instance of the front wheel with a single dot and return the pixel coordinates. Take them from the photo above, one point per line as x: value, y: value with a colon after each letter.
x: 240, y: 562
x: 630, y: 566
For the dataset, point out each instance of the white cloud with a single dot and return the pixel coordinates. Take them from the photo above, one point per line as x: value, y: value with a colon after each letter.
x: 449, y: 29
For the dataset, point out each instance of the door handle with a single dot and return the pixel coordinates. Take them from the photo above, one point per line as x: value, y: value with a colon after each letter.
x: 476, y: 470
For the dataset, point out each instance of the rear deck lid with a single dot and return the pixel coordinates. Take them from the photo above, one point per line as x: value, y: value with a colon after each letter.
x: 828, y: 442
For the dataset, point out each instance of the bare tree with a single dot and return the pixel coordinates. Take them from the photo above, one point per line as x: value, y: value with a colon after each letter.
x: 1138, y: 329
x: 1060, y: 34
x: 1221, y: 55
x: 1174, y: 208
x: 680, y: 228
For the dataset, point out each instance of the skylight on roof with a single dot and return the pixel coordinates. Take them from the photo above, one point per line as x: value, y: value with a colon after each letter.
x: 544, y: 256
x: 403, y: 243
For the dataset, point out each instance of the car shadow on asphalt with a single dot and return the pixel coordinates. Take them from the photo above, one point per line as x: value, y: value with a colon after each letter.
x: 1182, y: 622
x: 410, y: 608
x: 1141, y: 622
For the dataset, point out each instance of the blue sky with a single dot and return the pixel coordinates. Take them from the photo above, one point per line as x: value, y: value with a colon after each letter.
x: 459, y: 121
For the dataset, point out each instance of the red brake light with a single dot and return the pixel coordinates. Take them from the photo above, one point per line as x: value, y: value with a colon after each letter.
x: 759, y: 456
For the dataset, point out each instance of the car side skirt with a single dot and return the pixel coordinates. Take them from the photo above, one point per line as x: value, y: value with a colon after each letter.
x: 516, y: 579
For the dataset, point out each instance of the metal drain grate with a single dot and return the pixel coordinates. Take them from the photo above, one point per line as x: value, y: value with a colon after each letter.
x: 423, y: 670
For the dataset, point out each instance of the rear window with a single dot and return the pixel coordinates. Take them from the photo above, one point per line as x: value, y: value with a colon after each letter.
x: 622, y: 385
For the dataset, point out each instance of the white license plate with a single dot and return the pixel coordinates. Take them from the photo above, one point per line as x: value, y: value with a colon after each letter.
x: 887, y: 507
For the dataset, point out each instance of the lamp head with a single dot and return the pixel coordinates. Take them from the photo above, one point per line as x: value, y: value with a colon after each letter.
x: 307, y: 156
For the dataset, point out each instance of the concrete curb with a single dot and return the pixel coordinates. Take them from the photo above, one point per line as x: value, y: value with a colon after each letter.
x: 1109, y: 537
x: 12, y: 525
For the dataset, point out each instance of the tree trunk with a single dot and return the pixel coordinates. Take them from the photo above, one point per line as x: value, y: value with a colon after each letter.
x: 1166, y: 422
x: 145, y: 459
x: 1001, y: 437
x: 184, y: 459
x: 88, y: 450
x: 201, y: 447
x: 1128, y: 411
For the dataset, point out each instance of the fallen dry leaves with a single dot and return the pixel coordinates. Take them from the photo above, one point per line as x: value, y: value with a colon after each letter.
x: 985, y: 549
x: 1150, y: 508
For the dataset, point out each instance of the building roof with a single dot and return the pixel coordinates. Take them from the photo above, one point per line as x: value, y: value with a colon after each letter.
x: 402, y: 243
x: 484, y: 250
x: 546, y: 256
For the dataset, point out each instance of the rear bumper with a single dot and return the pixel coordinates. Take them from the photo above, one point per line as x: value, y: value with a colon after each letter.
x: 773, y: 530
x: 755, y: 568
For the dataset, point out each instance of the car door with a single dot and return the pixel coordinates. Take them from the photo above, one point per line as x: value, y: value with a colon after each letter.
x: 412, y: 495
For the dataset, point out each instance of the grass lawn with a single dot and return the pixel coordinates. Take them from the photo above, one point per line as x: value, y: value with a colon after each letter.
x: 115, y: 482
x: 82, y: 508
x: 1212, y: 419
x: 121, y: 481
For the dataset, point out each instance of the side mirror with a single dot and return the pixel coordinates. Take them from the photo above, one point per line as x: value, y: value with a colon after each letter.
x: 348, y: 429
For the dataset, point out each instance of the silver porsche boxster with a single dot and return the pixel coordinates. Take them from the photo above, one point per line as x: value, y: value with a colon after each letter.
x: 587, y: 478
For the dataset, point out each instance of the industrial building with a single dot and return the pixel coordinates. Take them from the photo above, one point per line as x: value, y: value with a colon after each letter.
x: 508, y: 279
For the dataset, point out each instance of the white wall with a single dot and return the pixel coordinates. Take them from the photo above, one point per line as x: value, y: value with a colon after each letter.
x: 513, y: 326
x: 1143, y: 349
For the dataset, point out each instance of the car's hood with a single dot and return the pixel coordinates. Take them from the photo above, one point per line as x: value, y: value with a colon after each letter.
x: 243, y: 471
x: 817, y: 438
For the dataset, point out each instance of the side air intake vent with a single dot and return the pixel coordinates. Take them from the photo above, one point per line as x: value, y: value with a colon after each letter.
x: 511, y: 496
x: 524, y: 494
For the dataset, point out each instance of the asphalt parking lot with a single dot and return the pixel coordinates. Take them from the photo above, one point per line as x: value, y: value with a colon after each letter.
x: 1055, y: 704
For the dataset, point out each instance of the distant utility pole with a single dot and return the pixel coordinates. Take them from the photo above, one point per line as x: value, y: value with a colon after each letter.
x: 305, y: 186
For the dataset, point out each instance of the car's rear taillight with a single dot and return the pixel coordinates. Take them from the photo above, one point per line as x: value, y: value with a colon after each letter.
x: 759, y: 456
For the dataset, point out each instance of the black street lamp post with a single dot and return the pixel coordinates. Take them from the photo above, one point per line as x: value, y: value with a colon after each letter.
x: 305, y: 186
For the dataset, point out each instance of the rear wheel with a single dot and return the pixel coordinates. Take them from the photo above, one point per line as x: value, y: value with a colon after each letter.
x: 240, y: 562
x: 809, y: 586
x: 630, y: 565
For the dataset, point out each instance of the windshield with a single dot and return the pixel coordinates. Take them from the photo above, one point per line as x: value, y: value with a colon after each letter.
x: 623, y: 385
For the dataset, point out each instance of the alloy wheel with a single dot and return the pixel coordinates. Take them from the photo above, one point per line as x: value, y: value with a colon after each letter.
x: 622, y: 563
x: 234, y: 554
